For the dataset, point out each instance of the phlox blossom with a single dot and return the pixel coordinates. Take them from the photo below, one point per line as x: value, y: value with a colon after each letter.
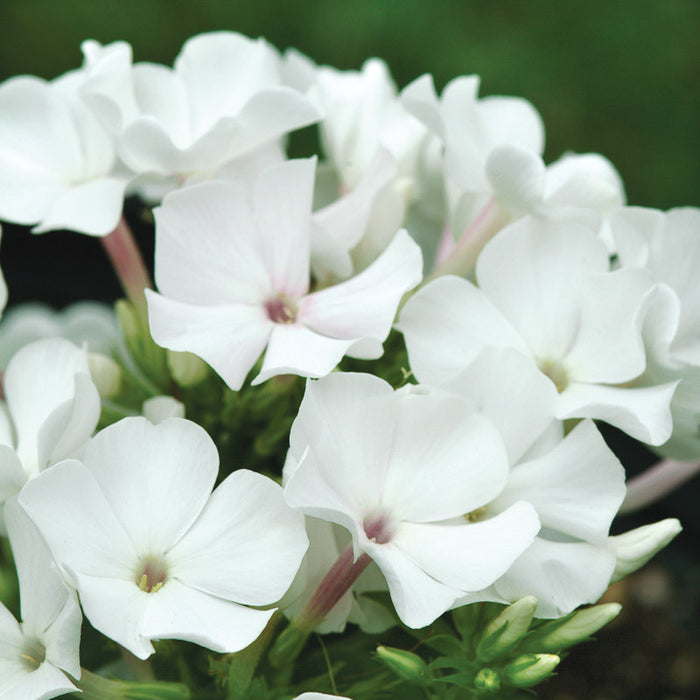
x: 152, y: 552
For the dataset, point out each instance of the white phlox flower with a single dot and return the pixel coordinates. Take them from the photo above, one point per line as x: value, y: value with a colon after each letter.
x: 390, y: 467
x: 36, y: 654
x: 545, y: 289
x: 88, y: 322
x: 667, y: 246
x: 57, y: 162
x: 51, y: 409
x: 222, y: 100
x: 152, y: 551
x: 471, y: 129
x: 575, y: 483
x: 234, y: 279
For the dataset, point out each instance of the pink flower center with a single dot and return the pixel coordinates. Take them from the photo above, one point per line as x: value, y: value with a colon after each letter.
x: 281, y: 309
x: 378, y: 528
x: 151, y: 574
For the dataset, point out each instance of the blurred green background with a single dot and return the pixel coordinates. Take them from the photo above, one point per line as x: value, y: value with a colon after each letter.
x: 612, y: 76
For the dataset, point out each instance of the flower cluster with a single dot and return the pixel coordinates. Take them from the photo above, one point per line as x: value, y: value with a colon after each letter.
x: 523, y: 302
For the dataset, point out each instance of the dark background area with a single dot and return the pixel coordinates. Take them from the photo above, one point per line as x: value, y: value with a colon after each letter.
x: 611, y: 76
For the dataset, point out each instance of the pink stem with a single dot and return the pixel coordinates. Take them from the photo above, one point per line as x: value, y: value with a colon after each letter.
x: 653, y: 484
x: 335, y: 584
x: 463, y: 257
x: 128, y: 264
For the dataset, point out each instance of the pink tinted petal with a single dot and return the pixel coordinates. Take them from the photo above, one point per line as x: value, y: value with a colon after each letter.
x: 156, y: 478
x: 418, y: 598
x: 294, y: 349
x: 179, y: 612
x: 282, y: 203
x: 470, y: 556
x: 230, y: 338
x: 365, y: 305
x: 445, y: 460
x: 117, y: 608
x: 561, y: 575
x: 447, y: 323
x: 642, y: 413
x: 81, y: 530
x: 247, y: 544
x: 577, y: 488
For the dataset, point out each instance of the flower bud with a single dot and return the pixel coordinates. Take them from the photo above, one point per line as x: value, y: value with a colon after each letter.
x: 573, y: 629
x: 506, y: 629
x: 186, y: 369
x: 487, y: 681
x: 160, y: 408
x: 530, y: 669
x: 404, y: 664
x: 128, y: 320
x: 633, y: 549
x: 105, y: 373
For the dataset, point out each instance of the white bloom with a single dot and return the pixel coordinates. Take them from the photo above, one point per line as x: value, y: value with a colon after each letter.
x: 152, y: 552
x: 222, y: 100
x: 390, y: 467
x: 546, y: 290
x: 234, y: 279
x: 52, y: 408
x: 471, y: 129
x: 56, y: 160
x: 35, y: 653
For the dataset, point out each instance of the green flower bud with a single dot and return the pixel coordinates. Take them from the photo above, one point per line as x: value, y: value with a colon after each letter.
x: 506, y: 629
x: 633, y: 549
x: 530, y: 669
x: 128, y: 320
x: 404, y: 664
x: 487, y: 681
x: 186, y: 369
x: 105, y: 373
x: 96, y: 687
x: 573, y: 629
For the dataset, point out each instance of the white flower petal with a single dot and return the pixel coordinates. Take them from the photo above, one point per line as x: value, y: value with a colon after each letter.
x: 116, y: 607
x: 642, y: 413
x: 577, y: 488
x: 179, y: 612
x: 175, y: 464
x: 365, y: 305
x: 517, y: 177
x: 446, y: 461
x: 247, y: 544
x: 209, y: 226
x: 71, y: 512
x: 473, y: 555
x: 230, y: 338
x: 561, y: 575
x: 447, y: 323
x: 42, y: 684
x: 282, y: 203
x: 418, y: 598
